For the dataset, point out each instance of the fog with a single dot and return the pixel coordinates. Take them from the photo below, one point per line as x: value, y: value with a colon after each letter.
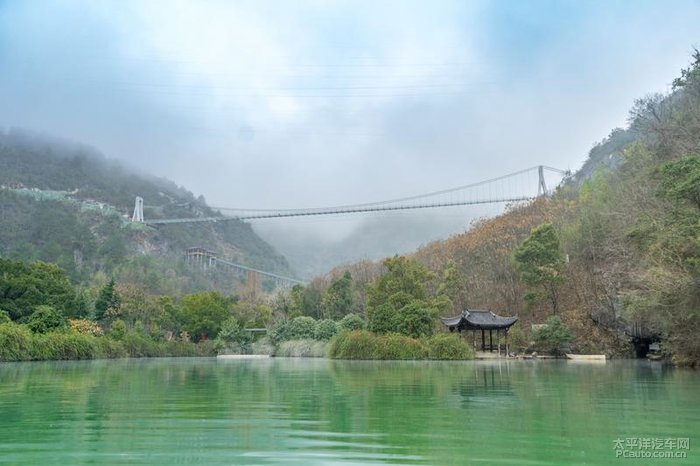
x: 272, y: 104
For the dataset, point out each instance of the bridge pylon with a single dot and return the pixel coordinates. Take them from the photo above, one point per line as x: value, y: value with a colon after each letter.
x: 138, y: 210
x: 542, y: 185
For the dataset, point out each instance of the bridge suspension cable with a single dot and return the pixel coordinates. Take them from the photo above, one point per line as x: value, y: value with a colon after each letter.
x: 484, y: 191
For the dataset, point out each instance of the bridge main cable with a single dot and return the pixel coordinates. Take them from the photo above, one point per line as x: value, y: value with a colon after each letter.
x: 377, y: 206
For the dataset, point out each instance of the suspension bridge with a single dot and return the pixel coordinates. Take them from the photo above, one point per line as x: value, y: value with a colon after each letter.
x: 519, y: 186
x: 522, y: 185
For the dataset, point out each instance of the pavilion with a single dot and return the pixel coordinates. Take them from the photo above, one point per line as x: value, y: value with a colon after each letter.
x: 479, y: 319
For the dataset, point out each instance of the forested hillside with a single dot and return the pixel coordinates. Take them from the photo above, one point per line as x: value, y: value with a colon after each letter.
x: 67, y: 204
x: 614, y: 254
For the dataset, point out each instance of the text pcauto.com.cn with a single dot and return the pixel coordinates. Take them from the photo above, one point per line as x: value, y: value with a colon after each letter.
x: 638, y: 447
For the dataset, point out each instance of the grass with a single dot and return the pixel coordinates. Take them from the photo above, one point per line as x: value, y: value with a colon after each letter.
x: 362, y: 344
x: 18, y: 343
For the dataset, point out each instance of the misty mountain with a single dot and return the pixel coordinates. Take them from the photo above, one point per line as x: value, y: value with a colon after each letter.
x: 66, y: 203
x: 371, y: 237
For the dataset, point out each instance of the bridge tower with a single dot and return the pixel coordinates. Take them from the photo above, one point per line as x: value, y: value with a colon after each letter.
x: 541, y: 186
x: 138, y: 210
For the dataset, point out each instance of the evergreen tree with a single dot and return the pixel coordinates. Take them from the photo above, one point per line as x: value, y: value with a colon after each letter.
x: 539, y: 259
x: 107, y: 299
x: 337, y: 300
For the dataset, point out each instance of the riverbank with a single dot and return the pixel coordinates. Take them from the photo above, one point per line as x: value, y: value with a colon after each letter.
x: 18, y: 343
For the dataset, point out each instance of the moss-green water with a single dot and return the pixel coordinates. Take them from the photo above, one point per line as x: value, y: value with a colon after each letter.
x: 300, y: 411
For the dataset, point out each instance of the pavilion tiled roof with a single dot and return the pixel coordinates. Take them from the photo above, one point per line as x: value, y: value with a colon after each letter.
x: 479, y: 319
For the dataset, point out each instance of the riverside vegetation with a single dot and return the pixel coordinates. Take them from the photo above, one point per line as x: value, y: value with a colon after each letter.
x: 42, y: 316
x: 609, y: 260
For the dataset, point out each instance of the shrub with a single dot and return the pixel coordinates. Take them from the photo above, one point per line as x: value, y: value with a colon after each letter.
x: 232, y: 334
x: 204, y: 348
x: 280, y: 331
x: 326, y: 329
x: 351, y: 322
x: 65, y: 345
x: 85, y: 327
x: 384, y: 319
x: 4, y: 317
x: 303, y: 327
x: 106, y: 348
x: 448, y: 346
x: 395, y: 346
x: 361, y: 344
x: 552, y: 336
x: 302, y: 349
x: 45, y: 319
x: 118, y: 330
x: 416, y: 320
x: 358, y: 344
x: 516, y: 339
x: 16, y: 342
x: 263, y: 346
x: 138, y: 346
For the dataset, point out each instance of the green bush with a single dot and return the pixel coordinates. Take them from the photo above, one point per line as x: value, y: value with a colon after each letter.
x: 106, y: 348
x: 118, y: 330
x: 303, y: 327
x: 232, y: 335
x: 351, y: 322
x: 138, y: 346
x: 384, y: 319
x: 280, y: 331
x: 45, y: 319
x: 326, y: 329
x: 416, y: 320
x: 65, y: 346
x: 4, y: 317
x: 516, y: 338
x: 362, y: 344
x: 358, y: 344
x: 448, y: 346
x: 394, y: 346
x: 553, y: 336
x: 16, y: 342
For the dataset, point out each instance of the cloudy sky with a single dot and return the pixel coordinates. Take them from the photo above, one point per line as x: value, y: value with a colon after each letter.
x: 307, y: 103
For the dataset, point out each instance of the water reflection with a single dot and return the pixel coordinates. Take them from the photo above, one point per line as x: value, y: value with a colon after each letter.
x: 287, y: 411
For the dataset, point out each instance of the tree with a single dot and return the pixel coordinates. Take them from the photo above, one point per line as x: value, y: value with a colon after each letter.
x: 553, y: 335
x: 454, y: 286
x: 404, y: 277
x: 23, y: 287
x: 398, y: 300
x: 45, y: 318
x: 680, y: 180
x: 107, y: 300
x: 338, y: 298
x: 325, y: 329
x: 351, y: 322
x: 416, y: 320
x: 203, y: 313
x: 303, y: 328
x: 252, y: 315
x: 540, y: 260
x: 232, y: 332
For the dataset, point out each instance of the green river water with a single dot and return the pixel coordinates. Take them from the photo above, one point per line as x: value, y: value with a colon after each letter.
x: 307, y: 412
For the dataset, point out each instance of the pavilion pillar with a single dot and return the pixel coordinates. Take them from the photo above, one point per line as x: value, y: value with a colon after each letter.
x: 483, y: 340
x: 498, y: 341
x: 490, y: 341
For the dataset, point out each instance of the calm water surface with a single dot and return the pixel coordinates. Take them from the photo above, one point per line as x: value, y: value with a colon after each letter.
x: 296, y: 411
